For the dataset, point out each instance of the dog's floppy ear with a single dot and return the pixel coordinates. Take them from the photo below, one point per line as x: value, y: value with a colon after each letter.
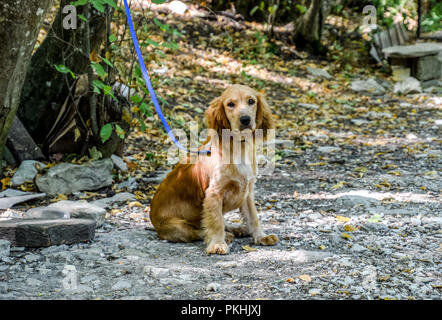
x: 216, y: 117
x: 264, y: 118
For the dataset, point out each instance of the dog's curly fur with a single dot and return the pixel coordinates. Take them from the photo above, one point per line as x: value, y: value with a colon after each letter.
x: 190, y: 202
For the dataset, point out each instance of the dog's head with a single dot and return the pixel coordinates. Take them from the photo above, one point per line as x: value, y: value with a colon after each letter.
x: 239, y: 108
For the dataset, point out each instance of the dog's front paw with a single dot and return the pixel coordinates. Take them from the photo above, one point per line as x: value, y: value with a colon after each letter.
x: 217, y: 248
x: 268, y: 240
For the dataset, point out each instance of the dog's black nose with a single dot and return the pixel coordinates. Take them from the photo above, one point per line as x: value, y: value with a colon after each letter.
x: 245, y: 120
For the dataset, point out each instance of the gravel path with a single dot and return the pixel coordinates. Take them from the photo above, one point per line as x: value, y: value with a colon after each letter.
x: 360, y: 220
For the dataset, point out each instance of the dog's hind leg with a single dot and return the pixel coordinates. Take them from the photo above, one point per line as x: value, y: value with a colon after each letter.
x: 179, y: 230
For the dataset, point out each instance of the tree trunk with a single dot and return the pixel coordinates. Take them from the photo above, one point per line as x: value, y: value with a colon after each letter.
x: 308, y: 28
x: 45, y: 89
x: 20, y: 23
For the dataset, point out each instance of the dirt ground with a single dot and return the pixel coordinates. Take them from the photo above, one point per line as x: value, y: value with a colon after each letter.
x: 354, y: 198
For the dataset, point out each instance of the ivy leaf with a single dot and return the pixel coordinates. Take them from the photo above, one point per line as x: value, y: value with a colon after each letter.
x: 110, y: 2
x: 99, y: 69
x: 79, y: 3
x: 112, y: 38
x: 105, y: 132
x: 120, y: 132
x: 98, y: 4
x: 63, y: 69
x: 82, y: 17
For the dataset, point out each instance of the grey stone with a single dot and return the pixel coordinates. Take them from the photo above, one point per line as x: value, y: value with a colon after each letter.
x: 155, y: 272
x: 358, y: 248
x: 81, y: 210
x: 33, y: 282
x: 158, y: 178
x: 369, y: 86
x: 44, y: 232
x: 9, y: 202
x: 350, y: 201
x: 359, y: 122
x: 119, y: 163
x: 26, y: 172
x: 5, y: 247
x: 413, y: 51
x: 430, y: 85
x: 213, y: 286
x: 121, y: 285
x: 108, y: 202
x: 130, y: 184
x: 328, y: 149
x: 319, y: 73
x: 308, y: 106
x: 46, y: 213
x: 66, y: 178
x: 408, y: 86
x: 32, y: 257
x: 428, y: 68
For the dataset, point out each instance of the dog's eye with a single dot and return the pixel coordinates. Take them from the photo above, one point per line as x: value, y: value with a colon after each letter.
x: 231, y: 104
x: 251, y: 101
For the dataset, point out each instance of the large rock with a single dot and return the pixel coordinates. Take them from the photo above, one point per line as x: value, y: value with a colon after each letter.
x: 26, y: 172
x: 9, y: 202
x: 408, y: 86
x: 80, y: 210
x: 369, y: 86
x: 413, y: 51
x: 428, y: 68
x: 66, y: 178
x: 44, y: 232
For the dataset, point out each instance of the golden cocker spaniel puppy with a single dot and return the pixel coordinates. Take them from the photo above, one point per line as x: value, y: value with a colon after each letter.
x: 190, y: 202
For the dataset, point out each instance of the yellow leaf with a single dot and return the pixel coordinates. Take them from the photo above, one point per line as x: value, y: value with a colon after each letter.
x: 134, y: 204
x: 342, y: 219
x: 317, y: 164
x: 346, y: 236
x: 350, y: 228
x: 321, y: 247
x: 125, y: 115
x: 6, y: 182
x: 361, y: 169
x: 140, y: 196
x: 248, y: 248
x: 290, y: 280
x: 305, y: 277
x: 77, y: 134
x: 60, y: 197
x: 339, y: 185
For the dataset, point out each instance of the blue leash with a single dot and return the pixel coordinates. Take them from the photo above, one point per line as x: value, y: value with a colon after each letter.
x: 149, y: 84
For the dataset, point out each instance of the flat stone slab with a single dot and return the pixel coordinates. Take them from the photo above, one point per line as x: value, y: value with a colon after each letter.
x: 9, y: 202
x: 80, y: 210
x: 413, y: 51
x: 46, y: 232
